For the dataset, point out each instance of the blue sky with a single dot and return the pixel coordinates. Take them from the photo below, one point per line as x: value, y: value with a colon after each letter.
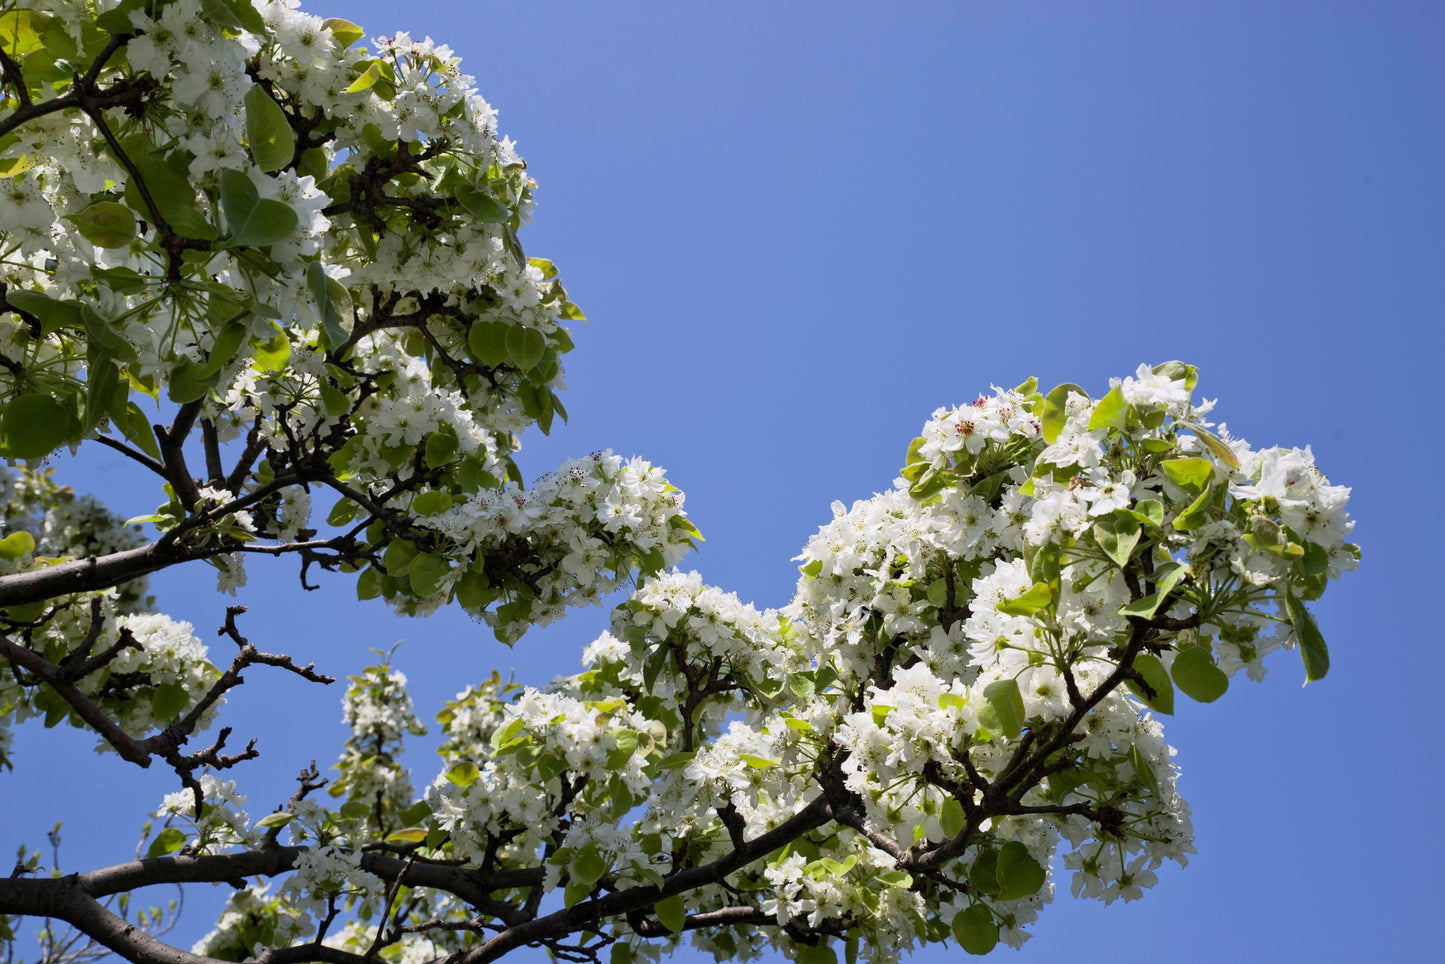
x: 799, y: 228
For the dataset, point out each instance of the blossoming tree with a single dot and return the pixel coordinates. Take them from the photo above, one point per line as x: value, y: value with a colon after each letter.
x: 269, y: 263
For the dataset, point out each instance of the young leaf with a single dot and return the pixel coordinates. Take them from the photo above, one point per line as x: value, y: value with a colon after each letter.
x: 33, y: 426
x: 254, y: 220
x: 1149, y: 667
x: 1005, y: 710
x: 168, y: 841
x: 1017, y: 872
x: 975, y: 929
x: 1110, y: 410
x: 1036, y: 598
x: 1311, y: 643
x: 1055, y: 412
x: 672, y: 913
x: 1117, y: 534
x: 1192, y: 474
x: 1195, y: 673
x: 273, y: 142
x: 464, y: 774
x: 105, y: 224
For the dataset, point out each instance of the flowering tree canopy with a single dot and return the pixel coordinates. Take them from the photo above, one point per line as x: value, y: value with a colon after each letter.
x: 277, y: 267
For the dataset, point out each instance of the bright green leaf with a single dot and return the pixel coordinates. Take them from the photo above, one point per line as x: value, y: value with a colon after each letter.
x: 951, y: 818
x: 587, y: 869
x: 345, y: 32
x: 464, y: 774
x: 1017, y: 872
x: 1117, y: 534
x: 254, y: 220
x: 1149, y: 667
x: 1192, y: 474
x: 274, y: 820
x: 1194, y: 672
x: 672, y: 913
x: 1110, y: 410
x: 1036, y: 598
x: 1311, y: 643
x: 975, y: 929
x: 273, y: 142
x: 168, y: 841
x: 15, y: 545
x: 525, y: 346
x: 168, y: 700
x: 407, y: 835
x: 1055, y: 411
x: 425, y: 571
x: 1005, y: 710
x: 32, y: 426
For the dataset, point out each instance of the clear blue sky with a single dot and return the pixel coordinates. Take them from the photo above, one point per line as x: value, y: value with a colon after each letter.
x: 798, y: 228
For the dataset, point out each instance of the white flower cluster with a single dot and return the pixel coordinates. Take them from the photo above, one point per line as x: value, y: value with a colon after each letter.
x: 578, y: 533
x: 222, y: 822
x: 554, y: 743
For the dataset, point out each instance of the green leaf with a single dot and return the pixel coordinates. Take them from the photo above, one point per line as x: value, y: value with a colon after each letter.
x: 367, y: 80
x: 819, y: 953
x: 441, y: 448
x: 587, y: 869
x: 32, y: 426
x: 757, y: 762
x: 407, y: 835
x: 488, y: 342
x: 672, y: 913
x: 188, y: 382
x: 1197, y: 514
x: 951, y: 818
x: 168, y: 841
x: 1117, y: 534
x: 1055, y: 411
x: 1177, y: 371
x: 464, y: 774
x: 15, y: 545
x: 1018, y: 873
x: 431, y: 503
x: 525, y: 347
x: 812, y: 568
x: 168, y: 700
x: 1195, y: 673
x: 20, y: 32
x: 1192, y: 474
x: 1152, y: 510
x: 274, y: 820
x: 1141, y: 766
x: 1149, y: 667
x: 1165, y: 579
x: 105, y: 224
x: 1311, y: 643
x: 354, y: 810
x: 1036, y: 598
x: 174, y: 197
x: 975, y: 930
x: 345, y: 32
x: 481, y: 205
x: 333, y: 303
x: 1215, y: 444
x: 254, y: 220
x: 1005, y: 710
x: 1110, y: 410
x: 425, y: 571
x: 273, y: 142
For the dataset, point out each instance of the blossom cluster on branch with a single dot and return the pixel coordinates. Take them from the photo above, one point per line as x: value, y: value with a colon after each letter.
x: 273, y: 266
